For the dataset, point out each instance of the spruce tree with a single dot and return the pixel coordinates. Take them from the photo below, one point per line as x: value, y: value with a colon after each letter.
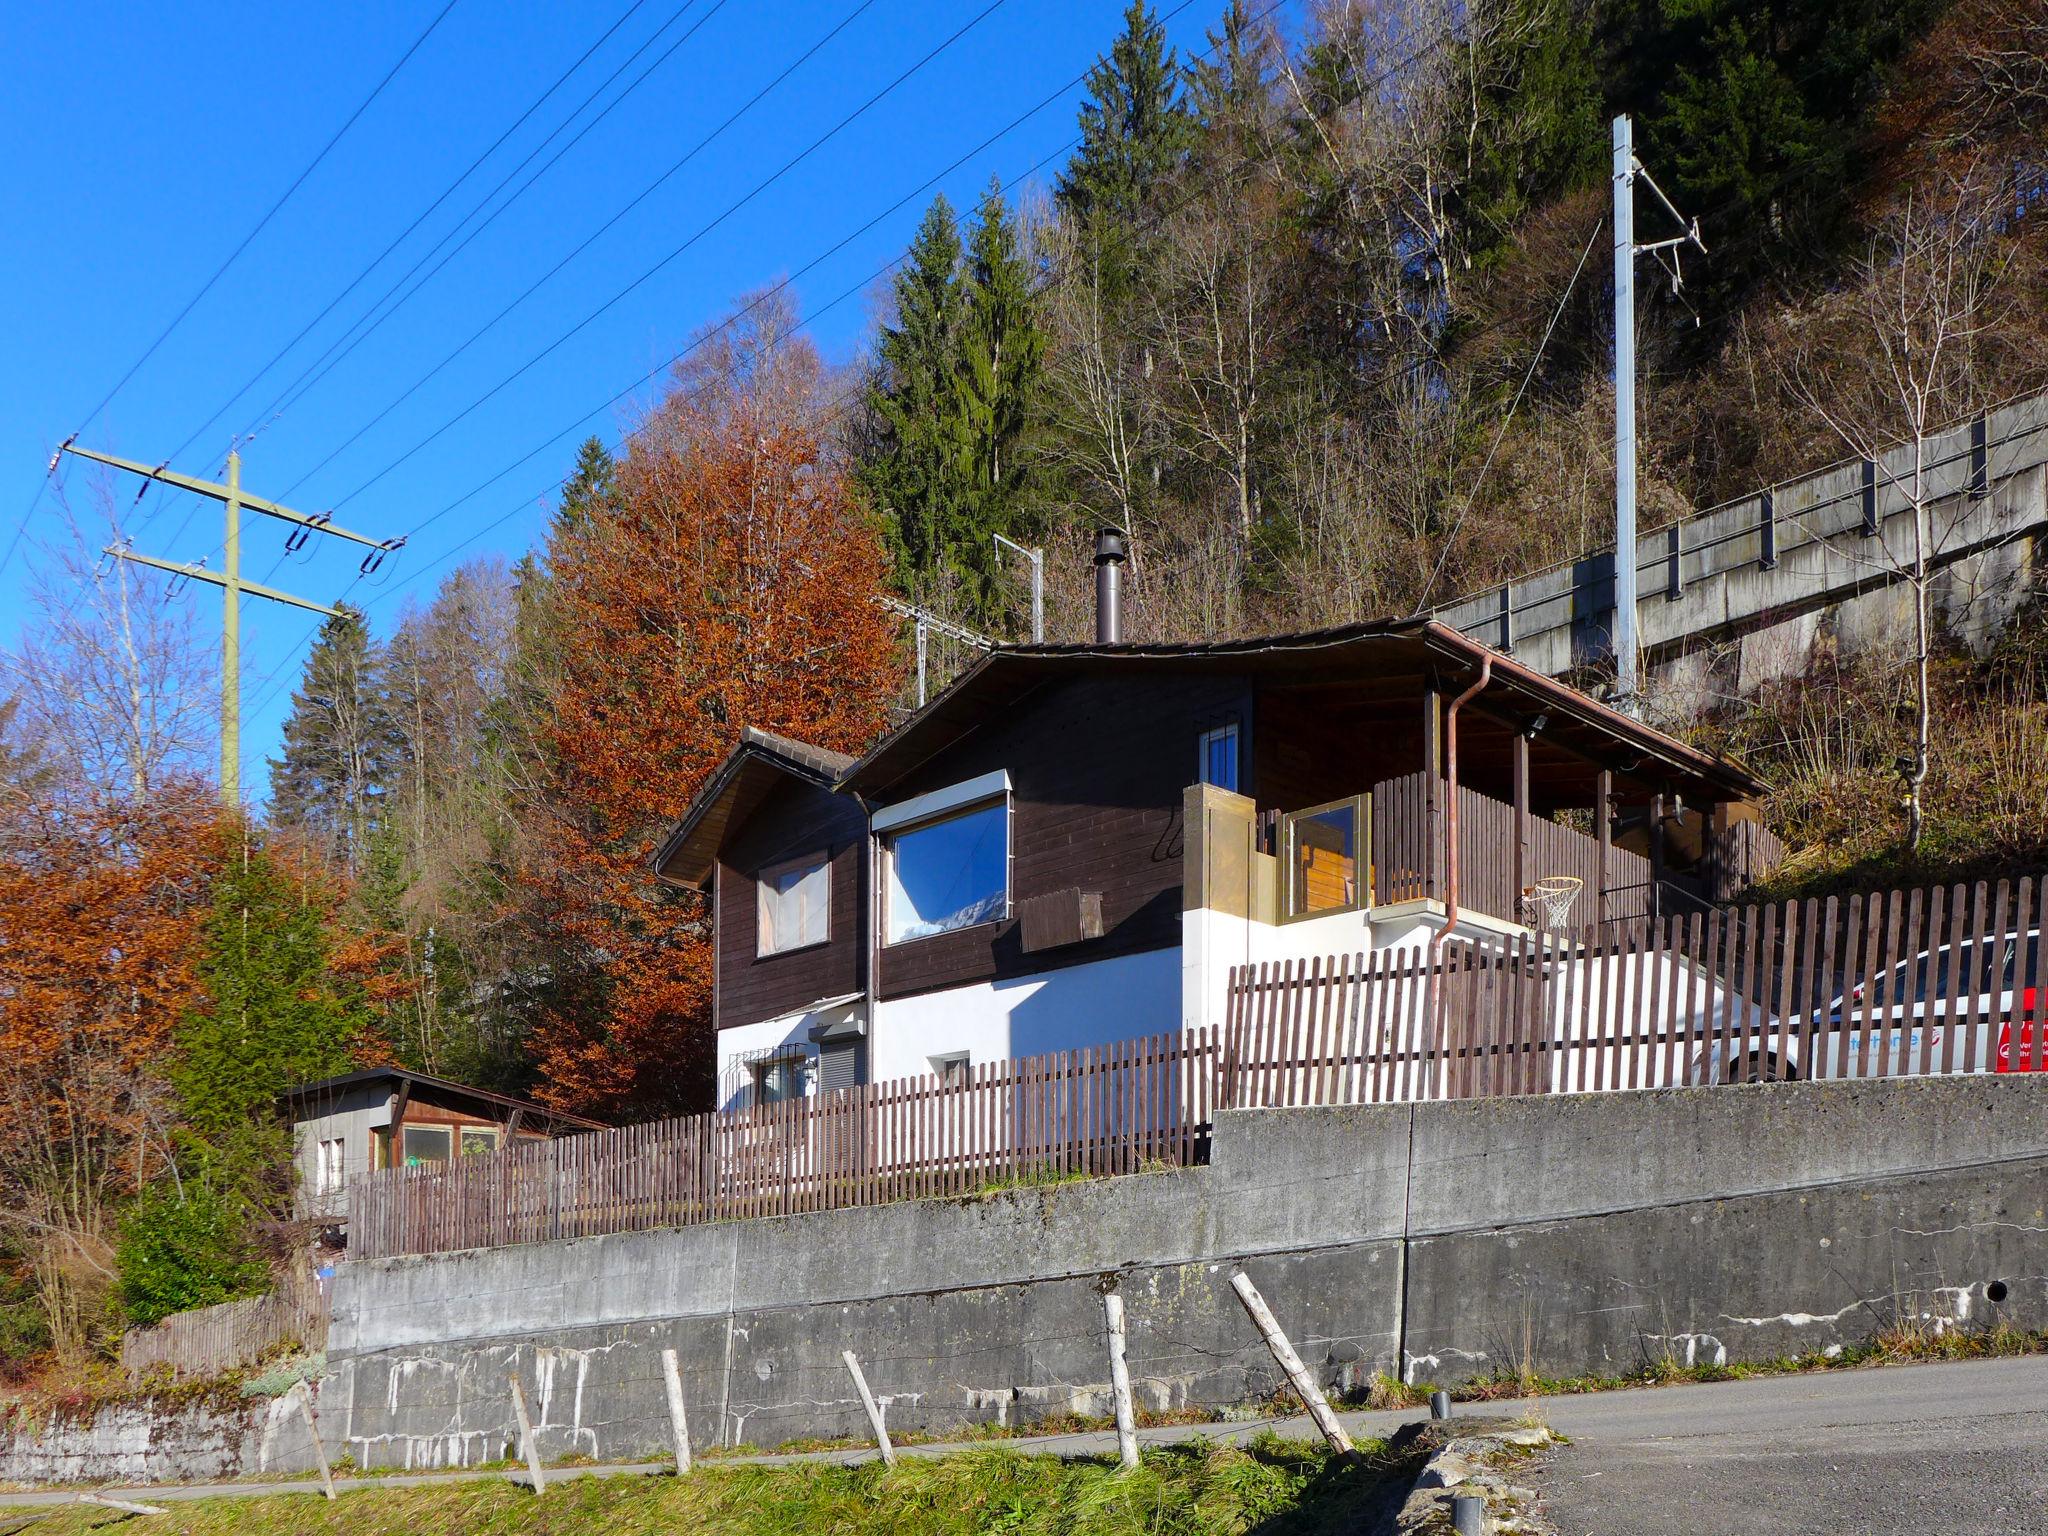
x: 1001, y: 354
x: 915, y: 479
x: 1135, y: 127
x: 592, y: 486
x: 342, y: 749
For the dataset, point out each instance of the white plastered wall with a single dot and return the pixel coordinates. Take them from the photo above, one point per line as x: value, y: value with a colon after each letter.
x: 1080, y: 1005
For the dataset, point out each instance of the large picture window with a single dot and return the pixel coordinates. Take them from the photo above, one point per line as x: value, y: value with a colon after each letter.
x: 795, y: 905
x: 950, y: 872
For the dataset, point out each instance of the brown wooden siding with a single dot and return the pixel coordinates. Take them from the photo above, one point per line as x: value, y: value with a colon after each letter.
x: 1097, y: 769
x: 795, y: 819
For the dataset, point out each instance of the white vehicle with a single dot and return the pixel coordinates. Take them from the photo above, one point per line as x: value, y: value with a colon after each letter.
x: 1969, y: 1007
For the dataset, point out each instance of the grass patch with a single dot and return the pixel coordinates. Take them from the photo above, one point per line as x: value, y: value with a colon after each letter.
x: 1271, y: 1488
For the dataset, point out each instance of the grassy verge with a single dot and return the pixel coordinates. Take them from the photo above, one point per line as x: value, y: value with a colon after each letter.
x: 1271, y: 1487
x: 1900, y: 1344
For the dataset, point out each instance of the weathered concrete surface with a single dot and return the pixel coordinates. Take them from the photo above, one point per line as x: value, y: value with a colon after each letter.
x: 142, y: 1442
x: 1575, y: 1233
x: 1725, y: 606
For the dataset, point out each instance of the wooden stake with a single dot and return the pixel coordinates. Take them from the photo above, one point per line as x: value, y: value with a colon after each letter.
x: 1120, y: 1381
x: 867, y: 1401
x: 678, y: 1419
x: 1290, y: 1362
x: 103, y: 1501
x: 526, y: 1441
x: 305, y: 1397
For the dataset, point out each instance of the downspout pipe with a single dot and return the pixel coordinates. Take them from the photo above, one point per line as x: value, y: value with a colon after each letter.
x: 1436, y: 940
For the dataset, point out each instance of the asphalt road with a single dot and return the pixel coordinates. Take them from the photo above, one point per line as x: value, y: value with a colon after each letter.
x: 1921, y: 1450
x: 1930, y: 1450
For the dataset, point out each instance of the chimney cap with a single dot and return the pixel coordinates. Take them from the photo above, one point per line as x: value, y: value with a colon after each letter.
x: 1110, y: 546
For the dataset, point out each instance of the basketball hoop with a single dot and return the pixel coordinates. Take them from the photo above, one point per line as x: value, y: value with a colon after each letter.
x: 1548, y: 903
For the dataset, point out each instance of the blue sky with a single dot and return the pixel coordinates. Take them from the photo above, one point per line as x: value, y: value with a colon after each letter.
x: 144, y: 142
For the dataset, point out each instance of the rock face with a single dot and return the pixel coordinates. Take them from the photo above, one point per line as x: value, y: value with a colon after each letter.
x: 150, y: 1442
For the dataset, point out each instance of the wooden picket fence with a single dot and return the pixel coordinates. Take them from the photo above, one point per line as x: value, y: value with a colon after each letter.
x: 210, y: 1340
x: 1841, y: 988
x: 1899, y: 983
x: 1114, y: 1109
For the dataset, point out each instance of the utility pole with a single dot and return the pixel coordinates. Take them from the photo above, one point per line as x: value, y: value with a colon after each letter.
x: 1037, y: 559
x: 1627, y: 649
x: 229, y: 580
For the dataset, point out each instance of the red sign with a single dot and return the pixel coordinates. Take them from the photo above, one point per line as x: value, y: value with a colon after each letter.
x: 2032, y: 1052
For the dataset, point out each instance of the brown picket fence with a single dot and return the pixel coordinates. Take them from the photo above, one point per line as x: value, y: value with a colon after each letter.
x: 1114, y: 1109
x: 210, y: 1340
x: 1899, y: 983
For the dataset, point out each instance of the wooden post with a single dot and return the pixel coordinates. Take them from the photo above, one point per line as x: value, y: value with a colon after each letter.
x: 1120, y: 1381
x: 867, y: 1401
x: 526, y: 1440
x: 1524, y: 875
x: 126, y: 1506
x: 1603, y: 829
x: 304, y: 1394
x: 1290, y: 1362
x: 1656, y: 857
x: 1433, y: 792
x: 678, y: 1417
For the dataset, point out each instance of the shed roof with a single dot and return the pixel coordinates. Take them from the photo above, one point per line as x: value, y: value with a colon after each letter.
x: 330, y: 1087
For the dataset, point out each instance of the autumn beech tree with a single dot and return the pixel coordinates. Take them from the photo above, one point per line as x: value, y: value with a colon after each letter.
x: 730, y: 582
x: 100, y: 907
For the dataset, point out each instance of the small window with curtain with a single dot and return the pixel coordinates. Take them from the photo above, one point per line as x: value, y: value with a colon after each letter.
x: 778, y: 1079
x: 794, y: 909
x: 1217, y: 757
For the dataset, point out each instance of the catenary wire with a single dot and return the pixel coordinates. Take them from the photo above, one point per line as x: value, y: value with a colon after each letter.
x: 219, y: 272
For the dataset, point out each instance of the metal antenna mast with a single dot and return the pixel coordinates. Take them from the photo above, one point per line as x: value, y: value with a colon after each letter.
x: 1037, y: 559
x: 1627, y: 170
x: 230, y: 581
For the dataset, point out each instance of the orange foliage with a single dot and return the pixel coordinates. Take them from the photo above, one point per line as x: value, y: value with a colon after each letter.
x: 99, y: 909
x: 732, y: 584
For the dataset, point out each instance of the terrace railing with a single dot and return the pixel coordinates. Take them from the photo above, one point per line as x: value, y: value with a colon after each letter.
x: 1901, y: 983
x: 1116, y: 1109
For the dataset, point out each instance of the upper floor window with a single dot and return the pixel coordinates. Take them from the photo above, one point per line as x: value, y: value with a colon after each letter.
x: 794, y: 905
x: 946, y: 859
x: 331, y: 1174
x: 1216, y: 757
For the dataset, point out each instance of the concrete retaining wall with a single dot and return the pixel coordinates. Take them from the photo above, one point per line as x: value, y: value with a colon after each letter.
x: 144, y: 1442
x: 1440, y: 1241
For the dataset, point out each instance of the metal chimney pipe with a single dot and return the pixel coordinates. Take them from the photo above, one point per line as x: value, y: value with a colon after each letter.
x: 1110, y: 553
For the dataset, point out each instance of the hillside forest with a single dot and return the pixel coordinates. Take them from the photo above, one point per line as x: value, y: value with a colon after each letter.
x: 1318, y: 318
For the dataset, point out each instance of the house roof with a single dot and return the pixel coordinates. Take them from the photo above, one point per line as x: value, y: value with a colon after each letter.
x: 1390, y: 660
x: 329, y: 1087
x: 758, y: 761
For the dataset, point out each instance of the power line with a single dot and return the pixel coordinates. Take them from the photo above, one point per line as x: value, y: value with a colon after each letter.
x: 784, y: 169
x: 400, y: 238
x: 370, y: 321
x: 597, y: 234
x: 221, y: 271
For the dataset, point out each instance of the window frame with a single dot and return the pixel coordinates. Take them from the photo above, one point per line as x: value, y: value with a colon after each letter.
x: 406, y: 1133
x: 953, y: 1069
x: 822, y: 858
x: 332, y: 1158
x: 969, y: 797
x: 796, y: 1062
x: 1360, y: 807
x: 496, y: 1134
x: 1226, y: 730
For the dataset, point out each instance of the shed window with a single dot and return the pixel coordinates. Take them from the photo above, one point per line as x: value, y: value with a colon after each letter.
x: 794, y: 904
x: 330, y: 1166
x: 479, y: 1138
x: 1216, y: 758
x: 948, y: 873
x: 426, y: 1145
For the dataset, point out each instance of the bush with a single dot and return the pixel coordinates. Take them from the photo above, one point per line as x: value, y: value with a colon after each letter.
x: 185, y: 1246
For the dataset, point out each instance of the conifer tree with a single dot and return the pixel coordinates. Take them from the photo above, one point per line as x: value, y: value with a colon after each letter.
x: 915, y: 478
x: 1001, y: 354
x: 1135, y: 127
x: 341, y: 746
